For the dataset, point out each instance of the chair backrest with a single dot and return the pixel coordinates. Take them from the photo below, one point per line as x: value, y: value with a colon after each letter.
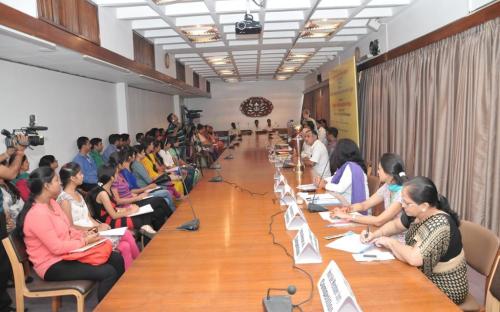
x: 373, y: 184
x: 19, y: 247
x: 480, y: 246
x: 493, y: 292
x: 16, y: 251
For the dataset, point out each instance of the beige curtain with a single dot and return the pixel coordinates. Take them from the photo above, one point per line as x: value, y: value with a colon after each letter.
x: 439, y: 108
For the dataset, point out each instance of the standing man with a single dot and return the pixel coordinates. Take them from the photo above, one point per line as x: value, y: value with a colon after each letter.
x: 87, y: 164
x: 306, y: 116
x: 8, y: 173
x: 176, y: 135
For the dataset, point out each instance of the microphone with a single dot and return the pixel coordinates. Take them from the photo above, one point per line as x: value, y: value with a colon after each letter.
x: 194, y: 224
x: 217, y: 178
x: 312, y: 207
x: 279, y: 303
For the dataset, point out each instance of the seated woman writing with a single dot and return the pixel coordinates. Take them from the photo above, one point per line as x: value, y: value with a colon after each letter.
x: 79, y: 216
x: 349, y: 179
x: 391, y: 173
x: 49, y: 237
x: 432, y: 242
x: 105, y: 208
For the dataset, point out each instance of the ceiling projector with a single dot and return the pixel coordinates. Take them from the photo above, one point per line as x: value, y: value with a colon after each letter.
x: 248, y: 26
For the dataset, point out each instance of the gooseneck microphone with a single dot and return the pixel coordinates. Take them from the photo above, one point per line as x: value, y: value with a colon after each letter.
x: 312, y: 207
x: 194, y: 224
x: 279, y: 303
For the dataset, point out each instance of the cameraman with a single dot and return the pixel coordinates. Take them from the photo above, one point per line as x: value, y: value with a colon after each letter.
x: 177, y: 135
x: 8, y: 173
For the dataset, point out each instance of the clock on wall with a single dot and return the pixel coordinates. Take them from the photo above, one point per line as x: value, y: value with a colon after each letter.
x: 256, y: 106
x: 167, y: 60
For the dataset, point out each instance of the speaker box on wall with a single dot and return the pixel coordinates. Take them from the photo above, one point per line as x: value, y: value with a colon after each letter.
x: 318, y: 78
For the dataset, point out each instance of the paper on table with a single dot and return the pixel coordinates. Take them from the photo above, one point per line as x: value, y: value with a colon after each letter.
x: 307, y: 187
x: 350, y: 243
x: 379, y: 255
x: 320, y: 199
x: 143, y: 210
x: 114, y: 232
x: 325, y: 215
x: 87, y: 247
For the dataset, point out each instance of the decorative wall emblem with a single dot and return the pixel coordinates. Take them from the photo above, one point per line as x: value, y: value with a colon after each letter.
x: 256, y: 106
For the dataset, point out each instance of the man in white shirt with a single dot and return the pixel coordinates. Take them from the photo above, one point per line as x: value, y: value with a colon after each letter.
x: 318, y: 158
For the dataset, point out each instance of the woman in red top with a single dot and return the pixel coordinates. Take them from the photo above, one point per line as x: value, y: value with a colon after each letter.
x: 49, y: 236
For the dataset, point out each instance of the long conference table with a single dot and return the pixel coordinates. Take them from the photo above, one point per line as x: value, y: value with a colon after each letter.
x: 229, y: 264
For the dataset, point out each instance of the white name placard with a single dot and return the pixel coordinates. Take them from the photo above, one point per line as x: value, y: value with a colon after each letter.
x: 287, y: 196
x: 334, y: 290
x: 279, y: 184
x: 294, y: 217
x: 306, y: 247
x: 277, y: 174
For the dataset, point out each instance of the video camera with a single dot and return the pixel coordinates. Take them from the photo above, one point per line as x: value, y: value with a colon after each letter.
x: 31, y: 132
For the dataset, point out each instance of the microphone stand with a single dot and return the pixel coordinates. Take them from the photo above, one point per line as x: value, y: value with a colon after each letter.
x: 194, y: 224
x: 312, y: 207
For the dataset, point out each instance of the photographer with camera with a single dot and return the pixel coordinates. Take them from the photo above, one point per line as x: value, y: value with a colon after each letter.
x: 176, y: 134
x: 8, y: 172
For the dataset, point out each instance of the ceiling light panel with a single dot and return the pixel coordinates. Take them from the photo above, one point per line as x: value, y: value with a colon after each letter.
x: 284, y: 16
x: 310, y: 40
x: 149, y: 24
x: 135, y: 12
x: 320, y: 28
x: 194, y: 20
x: 201, y: 33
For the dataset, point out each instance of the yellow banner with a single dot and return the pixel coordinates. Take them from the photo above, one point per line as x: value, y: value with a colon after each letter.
x: 344, y: 100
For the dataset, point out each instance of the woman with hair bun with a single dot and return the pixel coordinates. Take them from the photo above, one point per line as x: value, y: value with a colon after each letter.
x: 432, y: 242
x: 391, y: 173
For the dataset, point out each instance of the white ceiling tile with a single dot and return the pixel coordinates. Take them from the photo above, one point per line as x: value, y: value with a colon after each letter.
x: 332, y: 13
x: 277, y: 41
x: 194, y: 20
x: 175, y: 46
x: 160, y: 33
x: 169, y: 40
x: 352, y: 31
x: 344, y: 38
x: 243, y: 42
x: 179, y: 55
x: 135, y: 12
x: 234, y: 6
x: 388, y: 2
x: 210, y: 44
x: 271, y: 51
x: 234, y: 18
x: 245, y: 57
x: 279, y: 34
x: 331, y: 49
x: 149, y: 23
x: 281, y: 26
x: 230, y: 36
x: 357, y: 23
x: 375, y: 12
x: 186, y: 8
x: 244, y: 52
x: 303, y: 50
x: 288, y: 4
x: 215, y: 53
x: 284, y: 16
x: 228, y: 28
x: 339, y: 3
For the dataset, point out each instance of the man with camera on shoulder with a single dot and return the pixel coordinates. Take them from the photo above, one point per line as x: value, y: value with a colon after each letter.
x: 8, y: 172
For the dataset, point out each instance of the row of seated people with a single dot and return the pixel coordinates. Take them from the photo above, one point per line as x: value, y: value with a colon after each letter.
x: 54, y: 221
x: 417, y: 224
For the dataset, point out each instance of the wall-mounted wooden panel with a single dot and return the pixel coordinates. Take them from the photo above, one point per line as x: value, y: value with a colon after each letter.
x: 144, y: 51
x: 88, y: 21
x: 196, y: 80
x: 78, y: 17
x: 180, y: 71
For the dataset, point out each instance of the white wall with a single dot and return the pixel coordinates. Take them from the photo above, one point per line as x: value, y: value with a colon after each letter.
x: 420, y: 18
x: 70, y: 106
x: 224, y: 106
x: 147, y: 110
x: 160, y: 62
x: 116, y: 35
x: 26, y: 6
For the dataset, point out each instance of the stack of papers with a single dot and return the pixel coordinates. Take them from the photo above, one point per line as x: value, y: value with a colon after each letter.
x: 87, y: 247
x: 307, y: 187
x: 113, y: 232
x: 350, y: 243
x: 143, y: 210
x: 320, y: 199
x: 373, y: 254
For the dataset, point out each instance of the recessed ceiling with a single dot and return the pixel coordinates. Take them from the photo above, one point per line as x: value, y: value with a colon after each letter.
x: 286, y: 31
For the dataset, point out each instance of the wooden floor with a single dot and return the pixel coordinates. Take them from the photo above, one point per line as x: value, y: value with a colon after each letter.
x: 230, y: 262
